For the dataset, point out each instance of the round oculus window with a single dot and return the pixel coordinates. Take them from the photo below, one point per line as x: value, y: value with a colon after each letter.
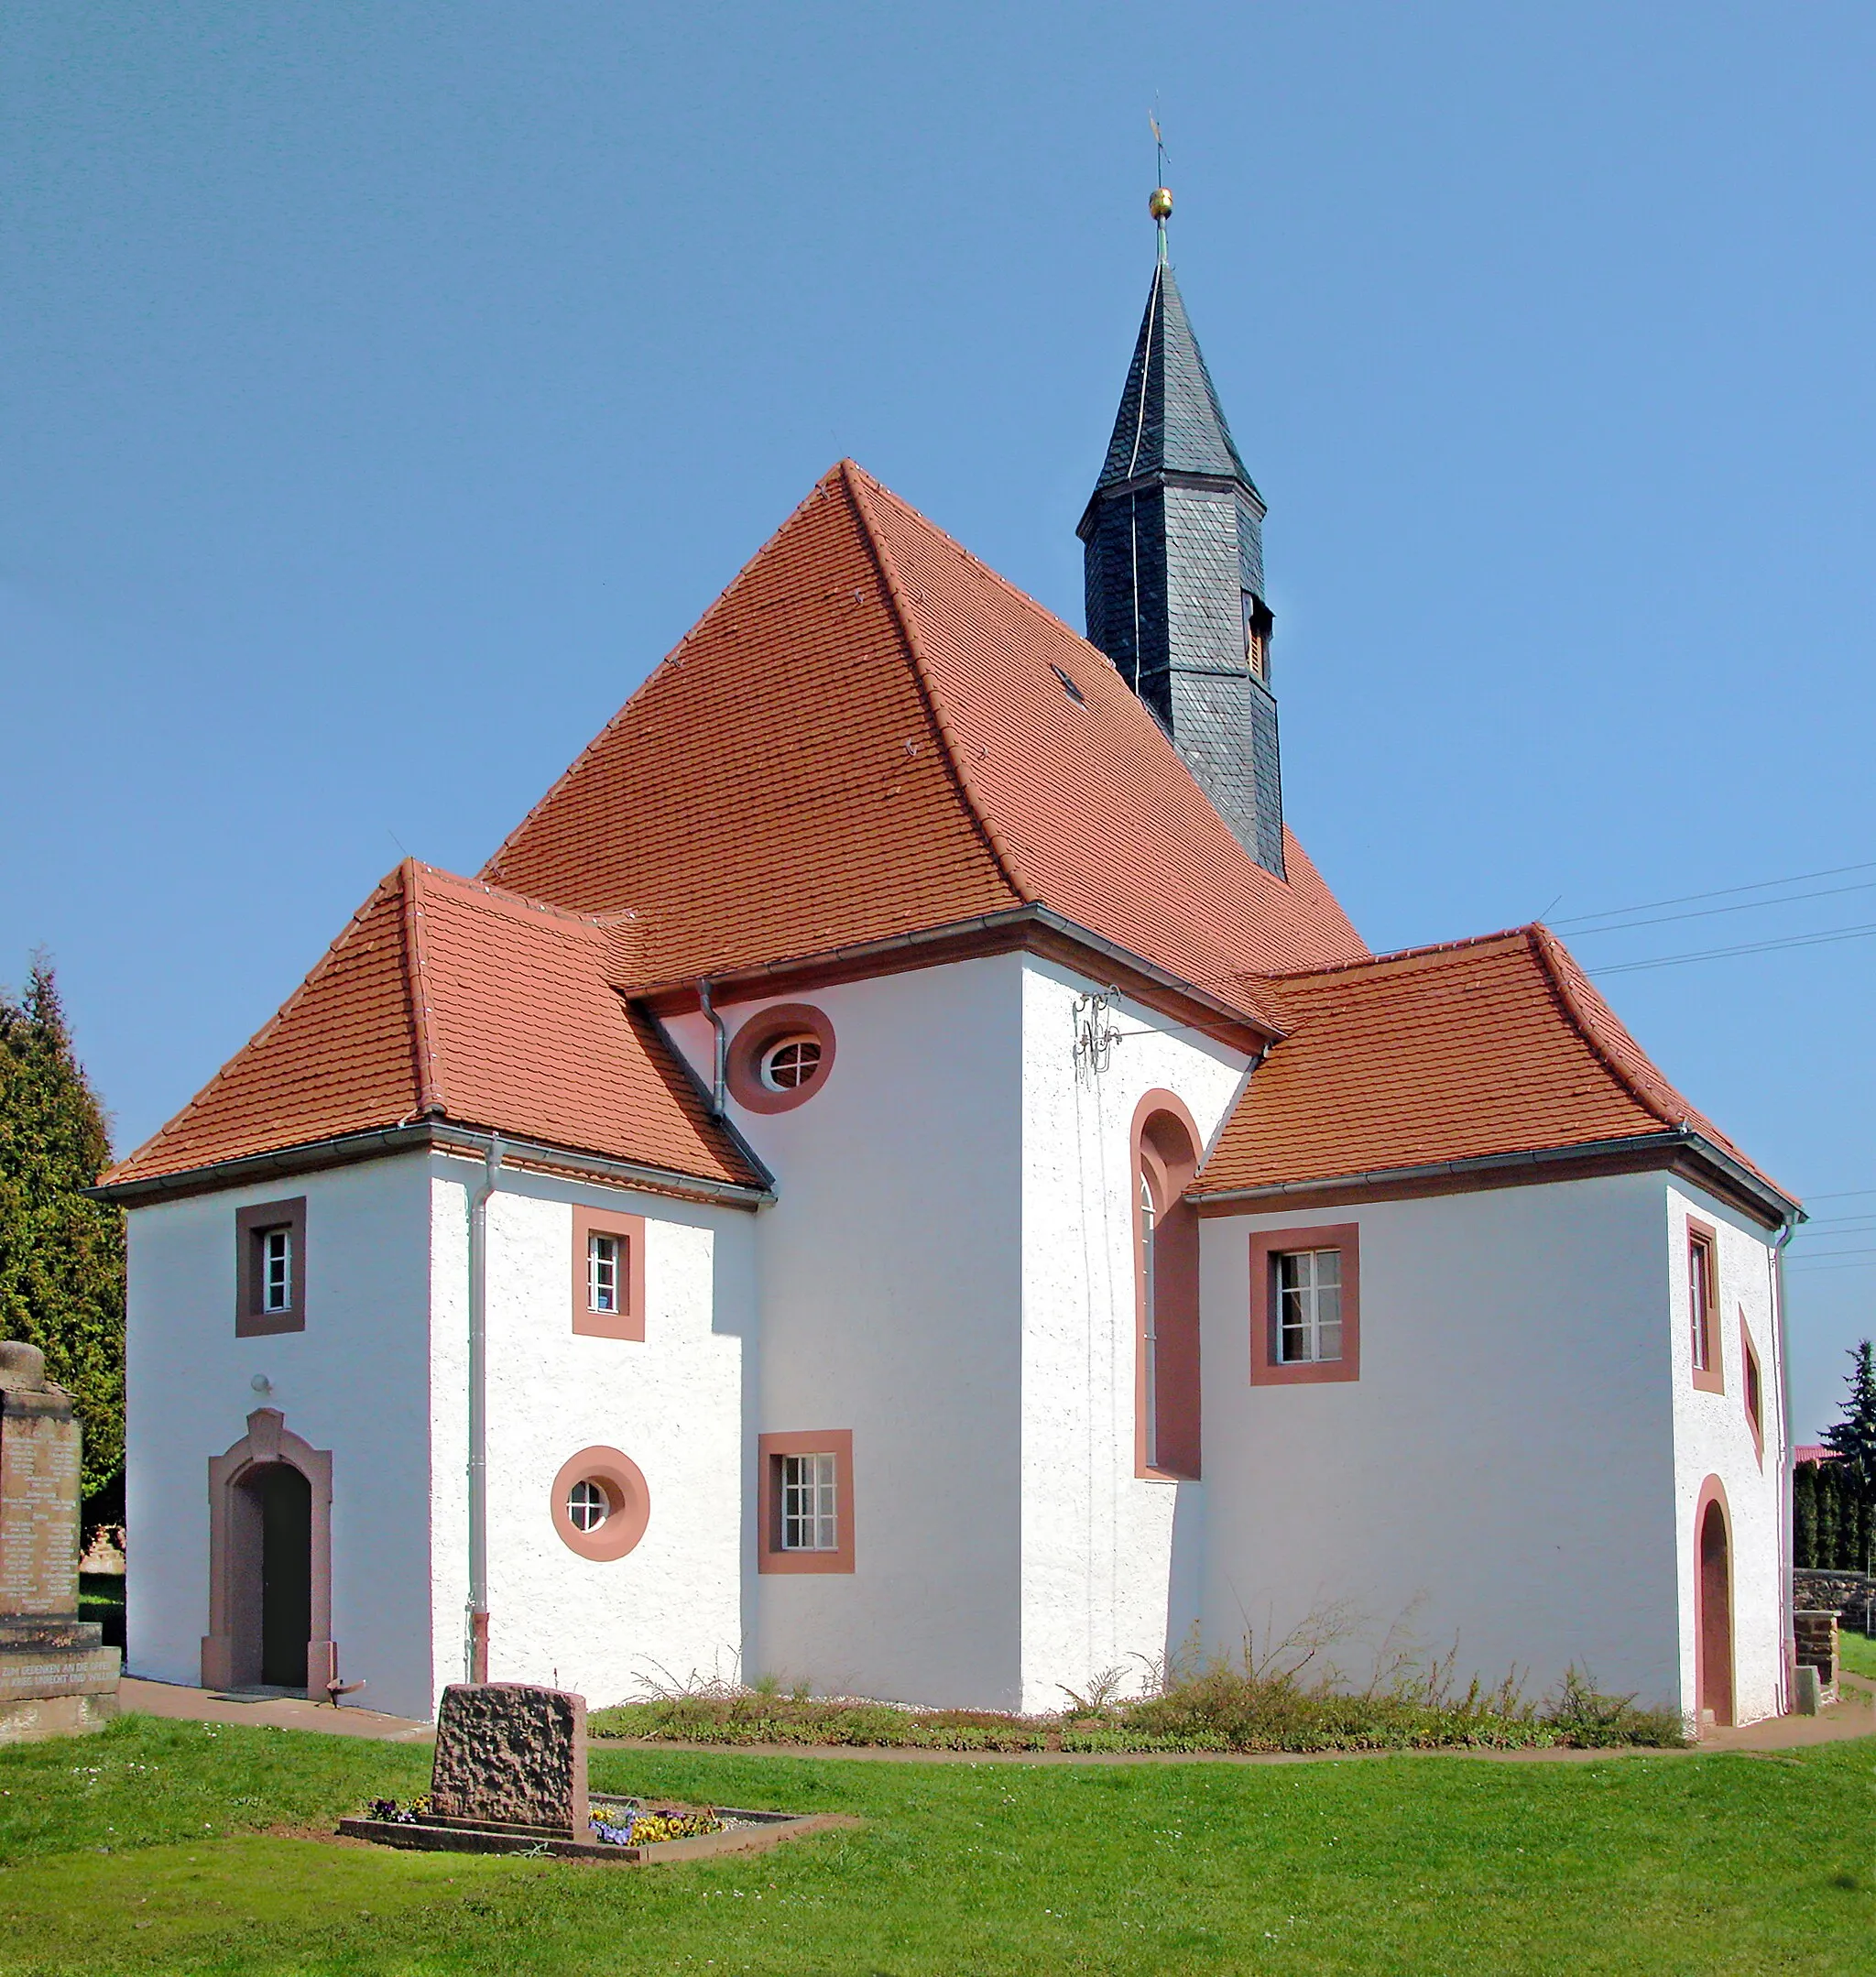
x: 599, y: 1503
x: 780, y: 1057
x: 790, y: 1062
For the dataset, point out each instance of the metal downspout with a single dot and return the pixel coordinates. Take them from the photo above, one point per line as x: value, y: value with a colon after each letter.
x: 476, y: 1643
x: 721, y: 1055
x: 1788, y: 1640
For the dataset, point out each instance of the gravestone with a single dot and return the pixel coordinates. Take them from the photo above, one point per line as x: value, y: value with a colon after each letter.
x: 509, y: 1753
x: 56, y: 1675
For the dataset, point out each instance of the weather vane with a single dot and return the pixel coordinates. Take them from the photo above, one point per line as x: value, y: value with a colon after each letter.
x: 1161, y: 204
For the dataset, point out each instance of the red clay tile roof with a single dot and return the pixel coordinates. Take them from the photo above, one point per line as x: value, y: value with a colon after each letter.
x: 444, y: 999
x: 864, y: 737
x: 1492, y: 1046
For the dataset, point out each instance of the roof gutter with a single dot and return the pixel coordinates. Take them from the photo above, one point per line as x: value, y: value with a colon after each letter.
x: 1644, y: 1149
x: 346, y: 1148
x: 1224, y: 1018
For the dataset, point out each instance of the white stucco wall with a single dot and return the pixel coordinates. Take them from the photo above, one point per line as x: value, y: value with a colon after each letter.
x: 1502, y: 1478
x: 673, y: 1403
x: 1712, y: 1436
x: 1110, y: 1562
x: 354, y: 1381
x: 889, y: 1285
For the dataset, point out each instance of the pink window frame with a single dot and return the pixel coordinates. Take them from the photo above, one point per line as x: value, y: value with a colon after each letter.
x: 1160, y: 1120
x: 1710, y: 1378
x: 628, y: 1320
x: 770, y: 1450
x: 1267, y: 1369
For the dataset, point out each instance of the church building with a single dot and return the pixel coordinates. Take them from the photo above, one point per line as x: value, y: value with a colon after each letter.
x: 899, y: 1174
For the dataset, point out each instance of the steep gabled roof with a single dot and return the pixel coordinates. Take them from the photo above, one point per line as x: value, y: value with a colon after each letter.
x: 1169, y: 419
x: 1489, y: 1047
x: 446, y: 1000
x: 870, y: 734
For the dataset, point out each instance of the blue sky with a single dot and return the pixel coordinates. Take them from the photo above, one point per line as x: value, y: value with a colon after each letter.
x: 385, y: 387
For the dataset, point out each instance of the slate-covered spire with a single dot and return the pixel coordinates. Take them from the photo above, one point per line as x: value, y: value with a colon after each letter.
x: 1174, y: 554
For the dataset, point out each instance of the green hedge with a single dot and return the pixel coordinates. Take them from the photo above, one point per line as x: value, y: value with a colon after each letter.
x: 1833, y: 1525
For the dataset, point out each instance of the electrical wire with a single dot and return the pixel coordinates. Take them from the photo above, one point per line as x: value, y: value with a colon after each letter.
x: 1742, y: 906
x: 1688, y: 899
x: 1746, y: 947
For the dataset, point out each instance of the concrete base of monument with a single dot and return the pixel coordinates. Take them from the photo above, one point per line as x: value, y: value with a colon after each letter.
x: 28, y: 1721
x: 741, y: 1832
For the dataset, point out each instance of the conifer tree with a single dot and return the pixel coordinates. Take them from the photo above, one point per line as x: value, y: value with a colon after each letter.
x: 62, y: 1257
x: 1853, y: 1439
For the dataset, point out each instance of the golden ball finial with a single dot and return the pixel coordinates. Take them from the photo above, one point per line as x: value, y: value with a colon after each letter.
x: 1161, y: 204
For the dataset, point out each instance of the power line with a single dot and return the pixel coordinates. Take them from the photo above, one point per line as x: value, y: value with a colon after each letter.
x: 1742, y: 906
x: 1802, y: 1270
x: 1689, y: 899
x: 1746, y: 947
x: 1843, y: 1193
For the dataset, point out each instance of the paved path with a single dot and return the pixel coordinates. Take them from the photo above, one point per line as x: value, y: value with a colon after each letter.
x: 1855, y: 1716
x: 280, y: 1710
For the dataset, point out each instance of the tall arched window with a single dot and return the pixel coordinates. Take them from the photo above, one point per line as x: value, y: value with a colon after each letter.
x: 1166, y: 1381
x: 1150, y: 1337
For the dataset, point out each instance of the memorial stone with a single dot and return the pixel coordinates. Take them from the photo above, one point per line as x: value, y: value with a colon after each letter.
x: 511, y: 1753
x: 56, y: 1675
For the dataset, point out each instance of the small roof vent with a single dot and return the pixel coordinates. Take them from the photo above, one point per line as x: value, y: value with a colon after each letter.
x: 1068, y: 686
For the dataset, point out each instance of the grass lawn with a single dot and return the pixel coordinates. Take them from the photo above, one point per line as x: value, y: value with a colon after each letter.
x: 161, y: 1846
x: 1858, y: 1654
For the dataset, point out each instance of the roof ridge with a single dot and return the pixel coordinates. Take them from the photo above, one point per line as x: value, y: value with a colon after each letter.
x: 1546, y: 946
x: 510, y: 896
x: 493, y: 862
x: 431, y: 1102
x: 312, y: 976
x: 1292, y: 976
x: 878, y: 486
x: 854, y: 478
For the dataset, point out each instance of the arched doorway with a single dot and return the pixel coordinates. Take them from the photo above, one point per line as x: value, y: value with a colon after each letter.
x: 270, y: 1604
x: 1713, y: 1609
x: 283, y: 1503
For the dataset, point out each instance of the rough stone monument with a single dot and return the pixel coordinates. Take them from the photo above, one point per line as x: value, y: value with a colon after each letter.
x: 511, y: 1754
x: 56, y: 1675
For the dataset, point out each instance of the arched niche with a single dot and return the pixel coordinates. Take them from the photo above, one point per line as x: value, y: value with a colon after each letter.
x: 1166, y: 1146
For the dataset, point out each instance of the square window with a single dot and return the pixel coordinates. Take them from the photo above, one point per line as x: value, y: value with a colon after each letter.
x: 1305, y: 1304
x: 608, y: 1274
x: 809, y: 1504
x: 1309, y: 1306
x: 806, y: 1504
x: 270, y: 1268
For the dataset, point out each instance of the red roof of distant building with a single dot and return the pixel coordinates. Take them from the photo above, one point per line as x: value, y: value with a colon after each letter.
x: 1812, y: 1452
x: 444, y: 999
x: 1484, y: 1047
x: 868, y: 735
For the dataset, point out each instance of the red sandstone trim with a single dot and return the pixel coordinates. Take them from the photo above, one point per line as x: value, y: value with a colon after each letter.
x: 767, y: 1027
x: 231, y: 1650
x: 1713, y: 1607
x: 629, y: 1321
x: 250, y: 1320
x: 770, y: 1450
x: 1267, y: 1369
x: 1711, y: 1378
x: 624, y: 1483
x: 1166, y: 1143
x: 1752, y: 1389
